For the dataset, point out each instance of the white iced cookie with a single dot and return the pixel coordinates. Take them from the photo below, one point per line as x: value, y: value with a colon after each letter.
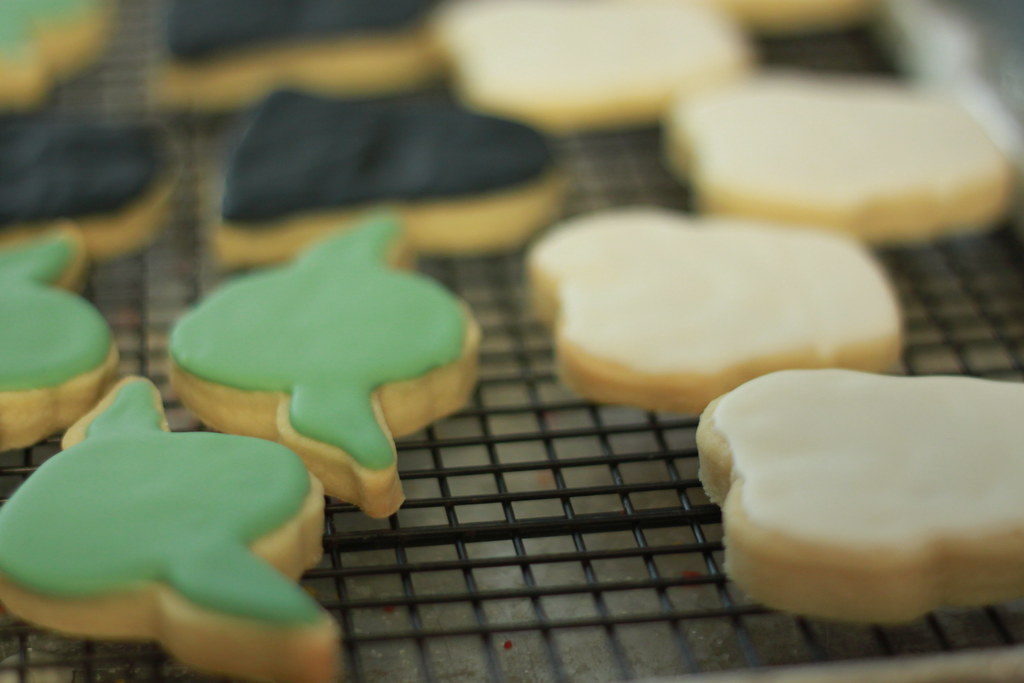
x: 568, y: 65
x: 866, y: 497
x: 664, y: 312
x: 794, y: 16
x: 869, y: 157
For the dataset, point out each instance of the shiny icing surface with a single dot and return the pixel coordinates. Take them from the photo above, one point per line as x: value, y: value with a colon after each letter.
x: 21, y: 20
x: 841, y: 457
x: 200, y: 28
x: 660, y: 293
x: 133, y: 503
x: 51, y: 169
x: 328, y: 329
x: 298, y: 152
x: 47, y: 336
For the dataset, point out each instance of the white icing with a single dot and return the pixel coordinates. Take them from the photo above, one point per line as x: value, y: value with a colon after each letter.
x: 842, y: 142
x: 527, y: 55
x: 660, y: 293
x: 869, y: 460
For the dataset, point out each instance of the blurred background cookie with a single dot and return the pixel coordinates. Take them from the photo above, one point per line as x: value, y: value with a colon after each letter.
x: 107, y: 178
x: 870, y: 157
x: 303, y: 165
x: 568, y: 66
x: 224, y: 54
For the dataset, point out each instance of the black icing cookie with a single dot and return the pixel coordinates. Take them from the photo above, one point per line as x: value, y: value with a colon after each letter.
x: 299, y: 152
x: 199, y: 28
x: 51, y: 170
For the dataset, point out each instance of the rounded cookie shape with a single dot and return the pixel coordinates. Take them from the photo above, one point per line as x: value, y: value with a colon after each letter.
x: 57, y: 354
x: 332, y: 355
x: 185, y: 538
x: 568, y: 66
x: 869, y: 157
x: 659, y: 310
x: 841, y: 491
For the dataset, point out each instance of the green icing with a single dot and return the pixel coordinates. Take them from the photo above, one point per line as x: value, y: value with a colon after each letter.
x: 41, y: 261
x: 20, y: 20
x: 134, y: 410
x: 133, y: 503
x: 328, y: 329
x: 47, y: 336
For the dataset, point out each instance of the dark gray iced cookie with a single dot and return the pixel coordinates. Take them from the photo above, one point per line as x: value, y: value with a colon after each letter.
x: 464, y: 181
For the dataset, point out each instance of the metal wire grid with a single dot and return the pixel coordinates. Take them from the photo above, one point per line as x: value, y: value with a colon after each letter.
x: 544, y: 537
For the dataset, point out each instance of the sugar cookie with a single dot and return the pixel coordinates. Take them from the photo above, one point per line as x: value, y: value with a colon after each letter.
x: 332, y: 355
x: 223, y: 54
x: 865, y: 497
x: 303, y: 165
x: 57, y: 355
x: 42, y: 42
x: 664, y: 312
x: 869, y: 157
x: 188, y: 539
x: 107, y: 178
x: 565, y: 65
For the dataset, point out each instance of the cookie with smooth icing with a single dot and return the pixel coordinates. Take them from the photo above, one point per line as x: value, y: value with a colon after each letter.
x: 224, y: 54
x: 865, y: 497
x: 57, y: 354
x: 462, y: 182
x: 192, y: 540
x: 565, y: 65
x: 107, y: 178
x: 332, y: 355
x: 42, y: 41
x: 665, y: 312
x: 869, y: 157
x: 786, y: 17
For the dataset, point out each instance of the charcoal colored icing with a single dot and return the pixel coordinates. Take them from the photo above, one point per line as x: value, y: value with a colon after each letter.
x: 51, y: 169
x: 47, y: 336
x: 133, y: 503
x: 299, y: 152
x: 201, y: 28
x: 21, y: 20
x: 328, y: 329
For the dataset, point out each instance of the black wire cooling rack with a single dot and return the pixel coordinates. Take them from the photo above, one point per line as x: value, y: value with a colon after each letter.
x: 545, y: 538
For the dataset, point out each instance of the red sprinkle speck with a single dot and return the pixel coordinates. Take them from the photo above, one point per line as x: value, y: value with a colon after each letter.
x: 389, y: 608
x: 507, y: 645
x: 690, y: 574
